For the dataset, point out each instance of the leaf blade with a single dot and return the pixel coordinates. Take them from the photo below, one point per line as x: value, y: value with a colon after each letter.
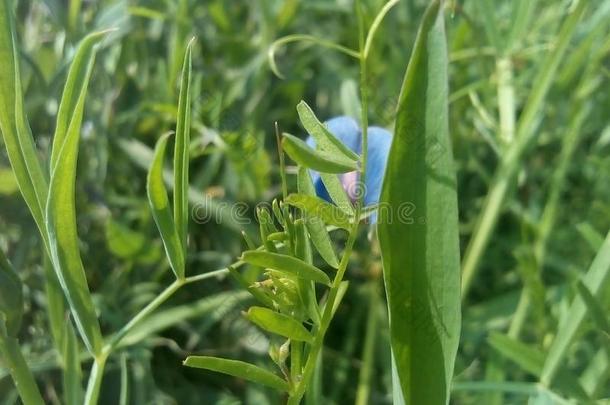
x: 324, y: 139
x: 320, y: 161
x: 238, y: 369
x: 317, y: 207
x: 278, y: 323
x: 421, y: 259
x: 181, y: 150
x: 161, y: 210
x: 61, y: 215
x: 285, y: 263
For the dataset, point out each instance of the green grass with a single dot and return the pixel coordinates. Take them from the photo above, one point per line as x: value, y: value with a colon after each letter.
x: 131, y: 261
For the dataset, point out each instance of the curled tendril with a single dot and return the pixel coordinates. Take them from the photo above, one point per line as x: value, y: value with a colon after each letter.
x: 304, y: 38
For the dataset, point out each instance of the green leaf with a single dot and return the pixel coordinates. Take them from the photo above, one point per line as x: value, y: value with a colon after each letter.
x: 594, y: 307
x: 528, y: 358
x: 315, y: 226
x: 73, y: 390
x: 596, y: 280
x: 337, y: 192
x: 15, y: 129
x: 320, y: 161
x: 324, y: 139
x: 238, y: 369
x: 286, y: 264
x: 161, y: 210
x: 61, y: 210
x: 421, y: 259
x: 73, y: 97
x: 317, y: 207
x: 181, y: 150
x: 278, y: 323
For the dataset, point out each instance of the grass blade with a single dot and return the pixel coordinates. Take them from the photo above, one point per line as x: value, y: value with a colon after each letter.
x: 278, y: 323
x: 286, y: 264
x: 596, y: 280
x: 181, y: 150
x: 317, y: 207
x: 238, y: 369
x: 324, y: 139
x: 421, y: 260
x: 317, y: 160
x: 510, y: 163
x: 161, y: 210
x: 14, y: 127
x: 74, y: 93
x: 61, y: 209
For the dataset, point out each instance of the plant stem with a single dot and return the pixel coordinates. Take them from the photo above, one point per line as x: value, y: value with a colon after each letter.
x: 316, y: 346
x: 20, y: 372
x: 97, y: 371
x: 368, y: 352
x: 95, y: 379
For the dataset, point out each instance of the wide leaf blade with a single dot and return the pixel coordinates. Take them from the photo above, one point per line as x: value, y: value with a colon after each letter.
x: 421, y: 258
x: 238, y: 369
x: 161, y: 210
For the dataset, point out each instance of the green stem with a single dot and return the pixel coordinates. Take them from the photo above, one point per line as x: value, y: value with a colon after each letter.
x: 20, y: 372
x: 95, y: 380
x: 316, y: 346
x: 368, y: 353
x: 97, y: 371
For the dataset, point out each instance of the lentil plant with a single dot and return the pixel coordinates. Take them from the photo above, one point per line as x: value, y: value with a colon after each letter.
x: 367, y: 201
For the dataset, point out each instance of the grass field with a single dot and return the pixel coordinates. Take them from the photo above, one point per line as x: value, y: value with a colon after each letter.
x: 143, y: 161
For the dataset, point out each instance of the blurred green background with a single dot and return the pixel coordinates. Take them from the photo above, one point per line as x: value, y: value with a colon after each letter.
x: 236, y: 100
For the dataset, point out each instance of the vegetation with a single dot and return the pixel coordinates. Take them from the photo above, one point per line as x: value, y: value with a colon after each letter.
x: 275, y: 257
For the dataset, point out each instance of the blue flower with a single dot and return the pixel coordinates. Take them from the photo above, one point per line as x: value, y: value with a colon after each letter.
x: 379, y: 141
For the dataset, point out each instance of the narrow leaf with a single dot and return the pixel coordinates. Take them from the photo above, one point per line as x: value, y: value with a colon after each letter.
x: 61, y: 213
x: 421, y: 259
x: 337, y: 192
x: 15, y: 129
x: 278, y: 323
x: 238, y: 369
x: 161, y: 210
x: 315, y: 226
x: 597, y: 312
x: 596, y: 280
x: 286, y: 264
x: 324, y: 139
x: 74, y: 93
x: 320, y: 161
x: 181, y: 150
x: 317, y: 207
